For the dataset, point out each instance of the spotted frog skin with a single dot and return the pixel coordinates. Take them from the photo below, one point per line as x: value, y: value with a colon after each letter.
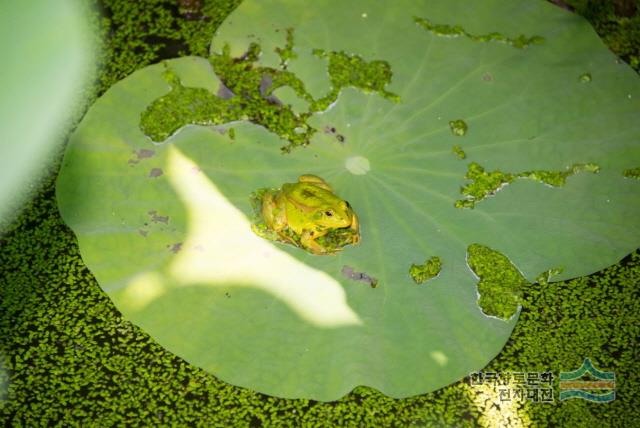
x: 300, y: 213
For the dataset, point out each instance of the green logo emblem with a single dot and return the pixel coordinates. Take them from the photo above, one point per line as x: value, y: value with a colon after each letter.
x: 601, y: 389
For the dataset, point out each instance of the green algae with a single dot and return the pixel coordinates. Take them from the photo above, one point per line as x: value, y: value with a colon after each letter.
x: 484, y: 184
x: 617, y: 22
x: 457, y: 150
x: 424, y: 272
x: 545, y: 277
x: 135, y: 34
x: 445, y: 30
x: 458, y: 127
x: 585, y: 77
x: 559, y: 178
x: 250, y: 90
x: 500, y: 282
x: 632, y: 173
x: 286, y: 54
x: 253, y: 102
x: 183, y: 106
x: 347, y: 70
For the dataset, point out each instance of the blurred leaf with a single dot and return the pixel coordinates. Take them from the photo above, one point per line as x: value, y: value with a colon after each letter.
x: 46, y: 52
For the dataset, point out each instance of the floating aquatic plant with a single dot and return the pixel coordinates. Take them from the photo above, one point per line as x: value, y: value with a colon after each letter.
x: 157, y: 178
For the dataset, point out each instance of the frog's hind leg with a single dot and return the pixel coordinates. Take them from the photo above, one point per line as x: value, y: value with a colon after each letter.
x: 268, y: 209
x: 315, y: 180
x: 273, y: 212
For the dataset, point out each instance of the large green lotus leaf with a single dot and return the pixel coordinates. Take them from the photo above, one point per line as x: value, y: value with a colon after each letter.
x: 165, y: 227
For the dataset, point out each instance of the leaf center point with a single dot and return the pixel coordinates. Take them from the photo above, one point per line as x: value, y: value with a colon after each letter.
x: 357, y: 165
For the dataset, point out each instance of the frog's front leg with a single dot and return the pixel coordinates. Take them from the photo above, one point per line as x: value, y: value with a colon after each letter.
x: 308, y: 240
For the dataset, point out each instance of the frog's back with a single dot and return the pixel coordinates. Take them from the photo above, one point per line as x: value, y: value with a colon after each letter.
x: 310, y: 195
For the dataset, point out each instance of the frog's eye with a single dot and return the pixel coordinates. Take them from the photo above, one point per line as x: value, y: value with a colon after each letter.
x: 328, y: 213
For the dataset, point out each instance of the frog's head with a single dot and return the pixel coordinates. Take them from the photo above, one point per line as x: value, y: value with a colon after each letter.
x: 335, y: 215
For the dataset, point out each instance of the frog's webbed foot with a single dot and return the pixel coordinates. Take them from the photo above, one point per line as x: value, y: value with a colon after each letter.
x: 307, y: 240
x: 287, y: 236
x: 355, y: 227
x: 356, y: 239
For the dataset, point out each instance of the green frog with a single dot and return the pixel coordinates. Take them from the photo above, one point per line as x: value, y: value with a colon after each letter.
x: 308, y: 215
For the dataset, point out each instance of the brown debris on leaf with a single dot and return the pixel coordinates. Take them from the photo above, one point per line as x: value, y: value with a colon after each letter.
x: 348, y: 272
x: 140, y: 155
x: 158, y: 218
x: 155, y: 172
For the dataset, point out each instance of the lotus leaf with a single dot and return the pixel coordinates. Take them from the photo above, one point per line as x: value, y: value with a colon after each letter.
x: 456, y: 131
